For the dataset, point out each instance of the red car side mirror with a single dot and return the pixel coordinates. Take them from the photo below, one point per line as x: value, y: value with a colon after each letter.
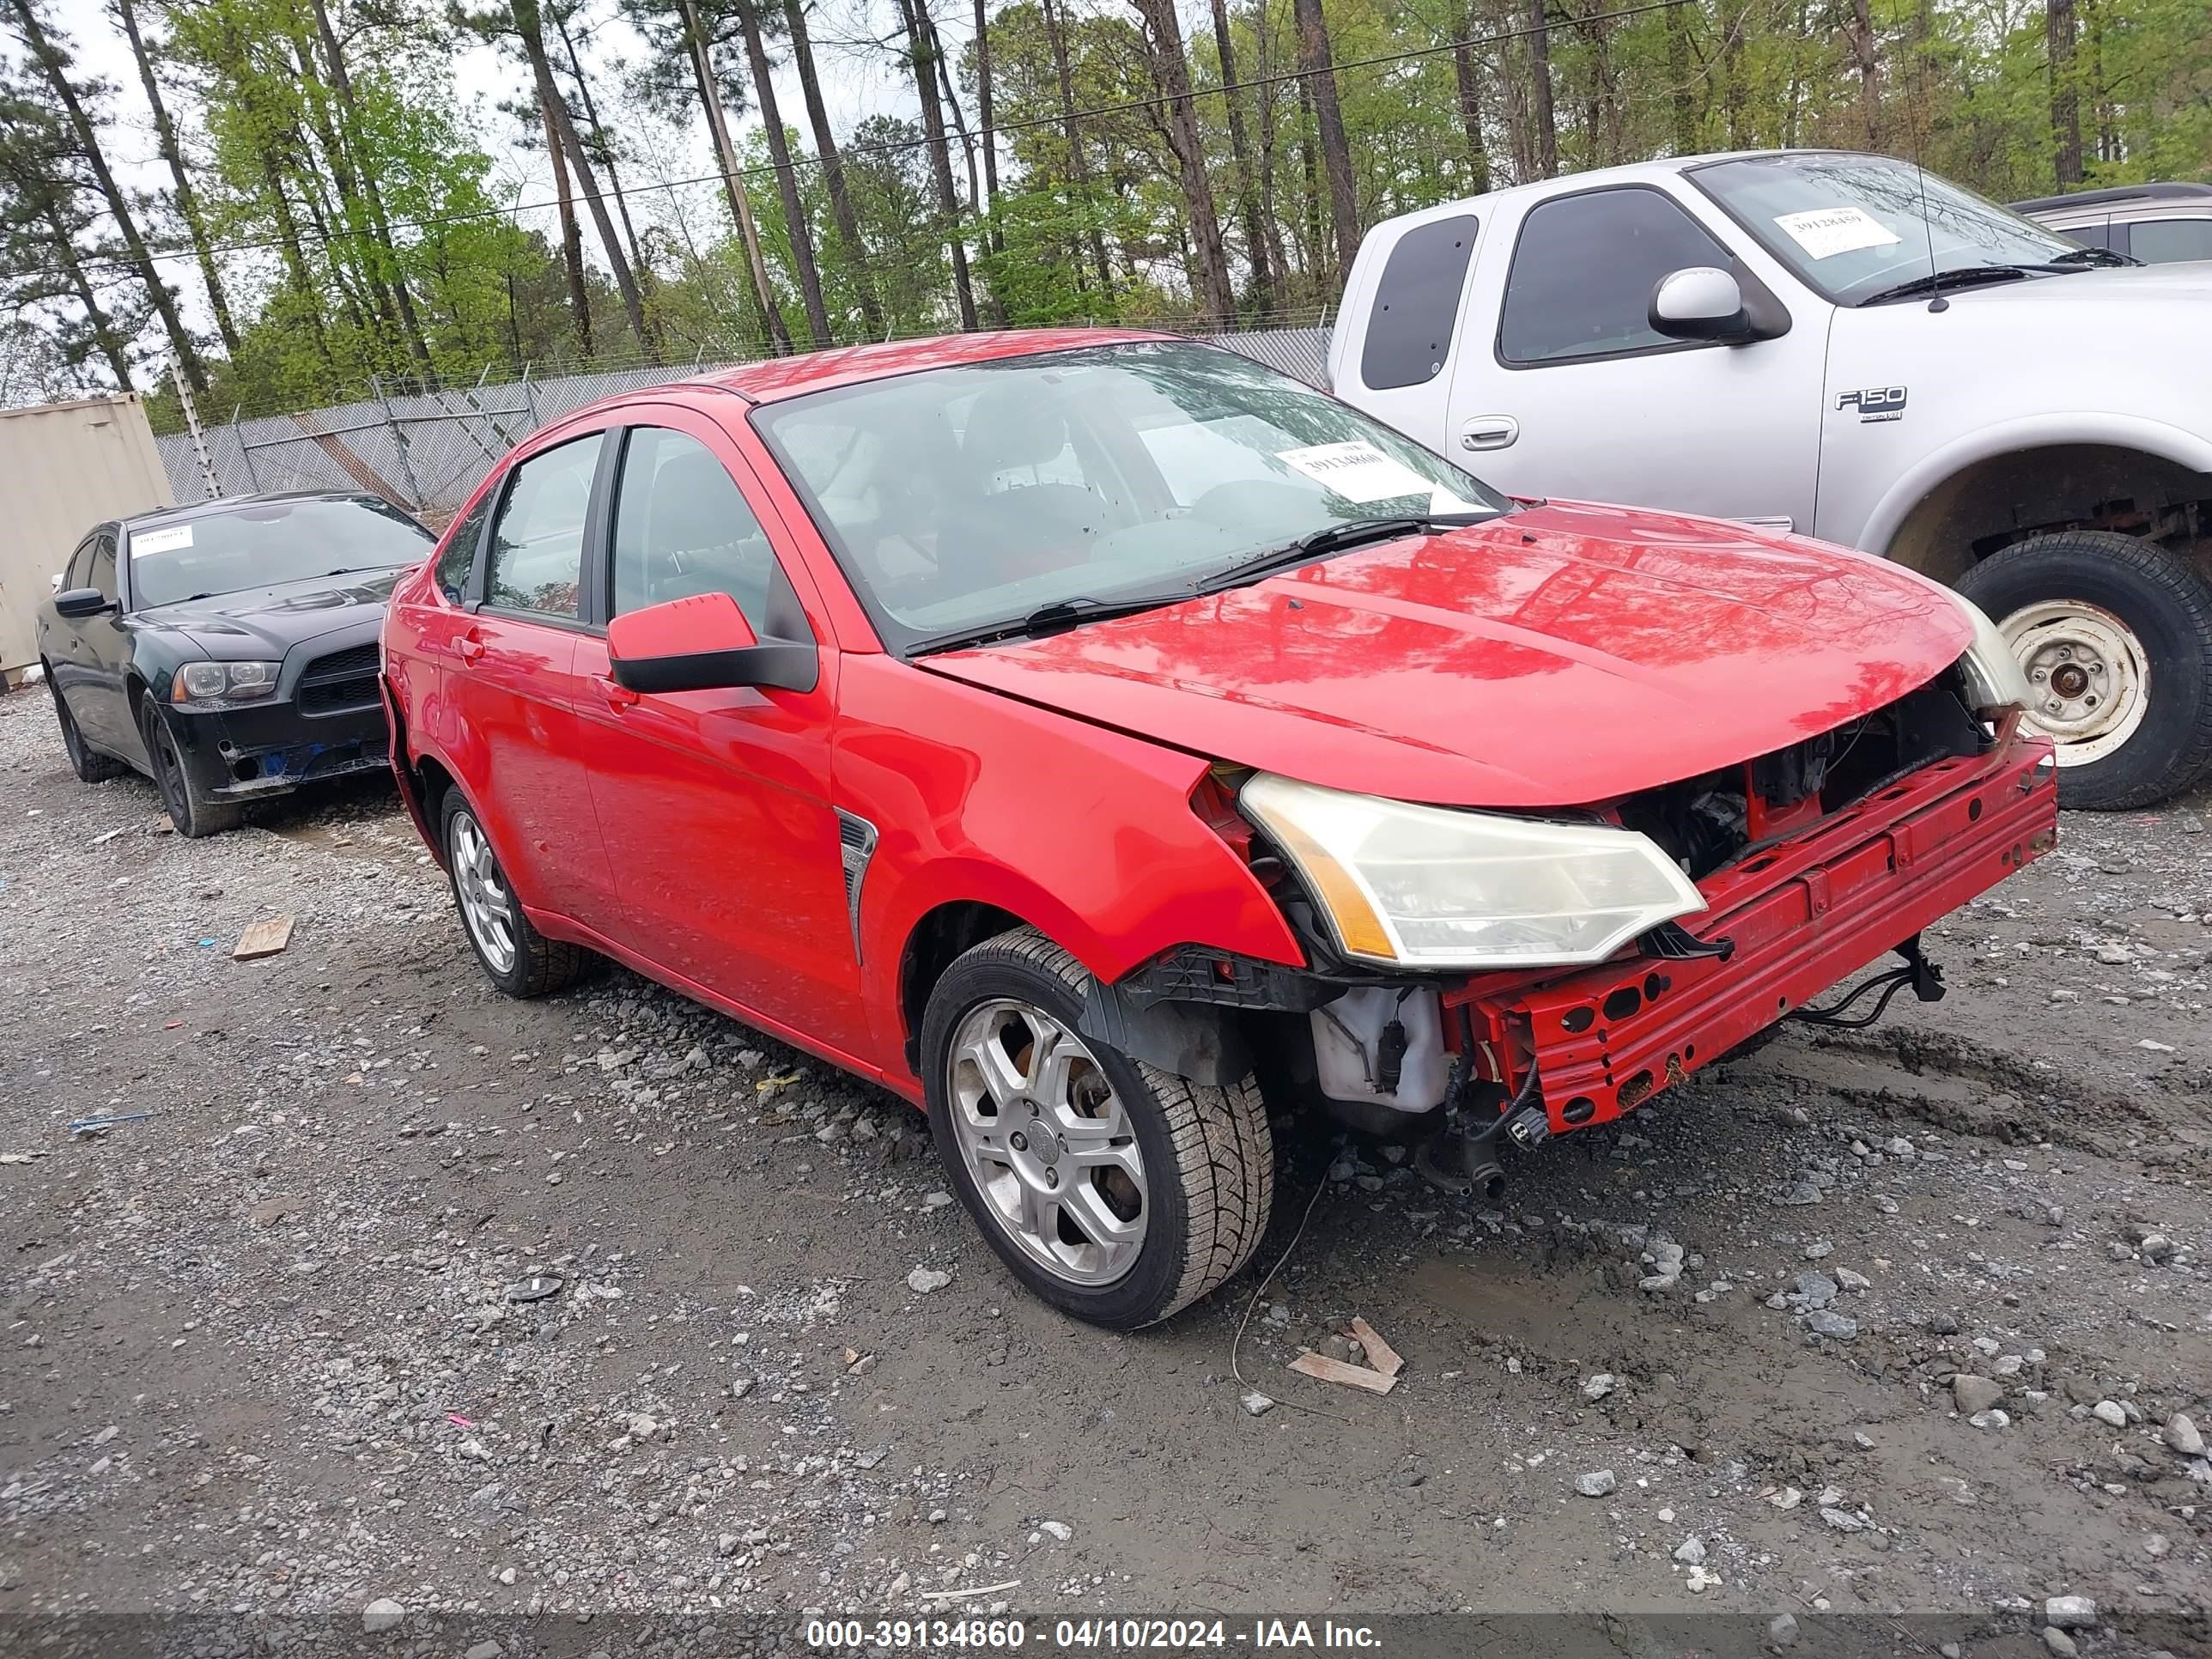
x: 703, y: 643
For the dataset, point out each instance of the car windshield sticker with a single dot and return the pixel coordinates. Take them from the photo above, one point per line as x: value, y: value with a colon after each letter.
x: 1824, y: 232
x: 160, y: 541
x: 1357, y: 471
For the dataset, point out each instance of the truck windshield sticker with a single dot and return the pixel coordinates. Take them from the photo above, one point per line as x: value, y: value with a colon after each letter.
x: 1360, y: 472
x: 160, y: 541
x: 1824, y: 232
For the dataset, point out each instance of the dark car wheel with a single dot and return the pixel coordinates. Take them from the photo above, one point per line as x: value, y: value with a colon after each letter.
x: 87, y: 762
x: 2115, y: 636
x: 190, y: 808
x: 1113, y: 1189
x: 521, y: 961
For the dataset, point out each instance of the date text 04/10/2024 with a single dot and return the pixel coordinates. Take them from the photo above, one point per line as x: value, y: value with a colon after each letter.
x: 1079, y: 1635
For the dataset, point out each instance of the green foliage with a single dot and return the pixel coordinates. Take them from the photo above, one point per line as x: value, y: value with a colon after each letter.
x: 356, y: 201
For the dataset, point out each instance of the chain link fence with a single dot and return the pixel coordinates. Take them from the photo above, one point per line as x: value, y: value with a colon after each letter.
x: 426, y: 451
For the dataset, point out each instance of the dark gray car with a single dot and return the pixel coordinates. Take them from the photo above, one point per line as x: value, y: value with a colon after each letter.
x: 2158, y: 224
x: 228, y: 650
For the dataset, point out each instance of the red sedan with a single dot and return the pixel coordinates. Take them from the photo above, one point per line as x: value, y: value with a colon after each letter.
x: 1098, y: 739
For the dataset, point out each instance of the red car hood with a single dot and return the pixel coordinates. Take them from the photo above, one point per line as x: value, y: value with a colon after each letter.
x: 1559, y: 656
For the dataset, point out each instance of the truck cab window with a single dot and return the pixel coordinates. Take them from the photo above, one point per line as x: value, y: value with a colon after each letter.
x: 1409, y: 330
x: 1583, y: 272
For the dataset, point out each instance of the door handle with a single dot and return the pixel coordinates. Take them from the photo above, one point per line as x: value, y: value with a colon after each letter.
x: 470, y: 646
x: 618, y: 696
x: 1488, y: 432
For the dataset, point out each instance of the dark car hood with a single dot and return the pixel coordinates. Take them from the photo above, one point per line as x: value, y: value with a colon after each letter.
x: 265, y: 622
x: 1559, y: 656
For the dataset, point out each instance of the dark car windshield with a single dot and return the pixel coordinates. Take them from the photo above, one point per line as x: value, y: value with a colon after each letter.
x: 1852, y: 226
x: 261, y: 544
x: 961, y: 497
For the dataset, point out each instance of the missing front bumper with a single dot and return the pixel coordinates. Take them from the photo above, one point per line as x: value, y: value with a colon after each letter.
x: 1800, y: 916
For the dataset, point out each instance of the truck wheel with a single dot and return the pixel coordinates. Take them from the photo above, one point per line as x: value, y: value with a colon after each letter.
x: 87, y: 762
x: 192, y: 810
x: 1113, y: 1189
x: 2115, y: 636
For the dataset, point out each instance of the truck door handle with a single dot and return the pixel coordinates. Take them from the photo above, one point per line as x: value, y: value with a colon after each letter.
x: 1488, y: 432
x: 618, y: 697
x: 470, y: 646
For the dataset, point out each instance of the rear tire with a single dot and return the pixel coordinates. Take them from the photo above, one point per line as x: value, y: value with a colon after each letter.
x: 1041, y: 1135
x: 2114, y: 634
x: 518, y: 958
x: 192, y: 810
x: 88, y: 764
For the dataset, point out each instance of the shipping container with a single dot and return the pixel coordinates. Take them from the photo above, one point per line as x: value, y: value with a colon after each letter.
x: 63, y: 468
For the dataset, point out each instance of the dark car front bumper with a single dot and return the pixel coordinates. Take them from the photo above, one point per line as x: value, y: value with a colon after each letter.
x: 326, y: 720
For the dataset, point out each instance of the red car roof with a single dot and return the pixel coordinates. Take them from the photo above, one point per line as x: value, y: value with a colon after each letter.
x: 788, y: 377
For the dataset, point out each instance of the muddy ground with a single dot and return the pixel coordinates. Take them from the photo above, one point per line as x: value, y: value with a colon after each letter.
x: 265, y: 1350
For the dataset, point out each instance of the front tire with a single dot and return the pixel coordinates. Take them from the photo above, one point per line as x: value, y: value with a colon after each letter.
x: 192, y: 810
x: 2115, y: 636
x: 1113, y: 1190
x: 87, y: 762
x: 518, y: 958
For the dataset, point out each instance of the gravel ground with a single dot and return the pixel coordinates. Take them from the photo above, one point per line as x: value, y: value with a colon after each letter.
x: 605, y: 1305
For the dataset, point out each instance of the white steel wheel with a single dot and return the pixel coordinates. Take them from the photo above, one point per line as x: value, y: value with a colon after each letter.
x: 2090, y: 675
x: 1046, y: 1142
x: 2114, y: 634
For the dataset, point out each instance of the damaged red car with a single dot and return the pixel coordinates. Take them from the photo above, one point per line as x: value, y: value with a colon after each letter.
x: 1103, y: 741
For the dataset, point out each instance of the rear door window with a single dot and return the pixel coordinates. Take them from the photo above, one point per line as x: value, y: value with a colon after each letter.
x: 538, y: 540
x: 1585, y: 270
x: 1409, y: 329
x: 2167, y: 242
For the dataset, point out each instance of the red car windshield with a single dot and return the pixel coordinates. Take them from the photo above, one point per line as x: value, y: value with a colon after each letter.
x: 961, y: 497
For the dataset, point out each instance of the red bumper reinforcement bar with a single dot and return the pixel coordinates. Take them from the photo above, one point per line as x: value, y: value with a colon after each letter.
x: 1800, y: 916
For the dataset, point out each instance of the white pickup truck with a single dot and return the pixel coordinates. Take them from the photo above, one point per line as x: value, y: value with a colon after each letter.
x: 1842, y: 346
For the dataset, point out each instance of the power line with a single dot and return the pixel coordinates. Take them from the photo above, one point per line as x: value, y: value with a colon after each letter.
x: 1224, y: 90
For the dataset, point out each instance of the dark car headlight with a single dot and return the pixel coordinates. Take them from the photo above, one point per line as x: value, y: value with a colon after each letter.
x: 218, y: 685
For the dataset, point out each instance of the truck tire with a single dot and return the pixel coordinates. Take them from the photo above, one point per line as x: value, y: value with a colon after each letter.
x: 2115, y: 636
x: 1113, y: 1189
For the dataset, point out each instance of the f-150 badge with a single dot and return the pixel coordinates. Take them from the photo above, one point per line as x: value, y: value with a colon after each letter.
x: 1875, y: 403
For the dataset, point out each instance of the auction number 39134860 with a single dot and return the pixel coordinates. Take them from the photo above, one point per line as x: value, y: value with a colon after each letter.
x: 1081, y: 1635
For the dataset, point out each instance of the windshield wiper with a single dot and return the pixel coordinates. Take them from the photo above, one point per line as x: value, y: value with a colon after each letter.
x: 1958, y: 276
x: 1335, y: 538
x: 1050, y: 618
x: 2094, y: 256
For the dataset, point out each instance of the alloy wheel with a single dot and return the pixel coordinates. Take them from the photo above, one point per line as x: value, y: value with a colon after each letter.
x: 487, y: 903
x: 1048, y: 1142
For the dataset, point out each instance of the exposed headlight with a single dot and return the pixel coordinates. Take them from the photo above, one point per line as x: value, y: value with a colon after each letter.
x: 216, y: 682
x: 1424, y: 887
x: 1994, y: 684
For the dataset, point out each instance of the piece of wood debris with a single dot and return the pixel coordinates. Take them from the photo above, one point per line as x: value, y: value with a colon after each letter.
x: 979, y: 1589
x: 165, y: 825
x: 265, y: 939
x: 1322, y: 1368
x: 1380, y: 1354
